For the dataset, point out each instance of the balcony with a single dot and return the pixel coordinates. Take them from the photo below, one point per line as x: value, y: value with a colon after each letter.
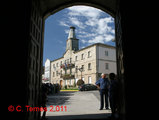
x: 67, y: 66
x: 67, y: 76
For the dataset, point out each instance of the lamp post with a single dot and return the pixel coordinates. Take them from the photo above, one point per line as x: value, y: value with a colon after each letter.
x: 80, y: 82
x: 81, y: 70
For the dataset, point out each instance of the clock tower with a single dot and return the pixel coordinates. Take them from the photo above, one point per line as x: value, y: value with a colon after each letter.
x: 72, y: 41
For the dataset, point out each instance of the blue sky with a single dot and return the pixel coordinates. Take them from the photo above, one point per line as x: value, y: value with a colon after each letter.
x: 92, y: 26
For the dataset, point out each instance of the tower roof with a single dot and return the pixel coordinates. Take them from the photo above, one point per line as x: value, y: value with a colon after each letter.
x: 72, y: 33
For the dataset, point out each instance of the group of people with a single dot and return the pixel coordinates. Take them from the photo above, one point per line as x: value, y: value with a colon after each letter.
x: 52, y: 88
x: 47, y: 89
x: 108, y: 89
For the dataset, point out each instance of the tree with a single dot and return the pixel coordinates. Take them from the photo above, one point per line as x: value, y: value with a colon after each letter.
x: 80, y: 82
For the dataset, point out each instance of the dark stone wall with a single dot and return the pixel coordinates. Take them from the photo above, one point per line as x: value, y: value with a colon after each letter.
x: 121, y: 71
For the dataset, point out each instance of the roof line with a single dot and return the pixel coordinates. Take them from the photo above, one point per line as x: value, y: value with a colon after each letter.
x: 99, y: 44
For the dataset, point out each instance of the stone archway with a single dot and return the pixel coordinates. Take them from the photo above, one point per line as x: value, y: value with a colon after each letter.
x: 36, y: 13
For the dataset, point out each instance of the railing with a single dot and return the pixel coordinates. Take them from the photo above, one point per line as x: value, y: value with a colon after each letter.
x: 67, y: 66
x: 67, y: 76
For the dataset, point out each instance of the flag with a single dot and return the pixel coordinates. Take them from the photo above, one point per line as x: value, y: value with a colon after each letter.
x: 65, y: 66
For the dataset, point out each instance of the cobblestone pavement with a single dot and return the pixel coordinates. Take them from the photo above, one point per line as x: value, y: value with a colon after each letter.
x: 75, y: 105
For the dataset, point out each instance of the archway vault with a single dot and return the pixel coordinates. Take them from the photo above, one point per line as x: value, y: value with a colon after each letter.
x: 49, y: 7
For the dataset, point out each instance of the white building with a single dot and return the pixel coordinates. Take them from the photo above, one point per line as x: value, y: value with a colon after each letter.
x: 94, y: 60
x: 47, y: 70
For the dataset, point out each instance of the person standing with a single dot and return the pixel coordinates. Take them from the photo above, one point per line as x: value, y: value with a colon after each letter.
x: 44, y: 92
x: 113, y: 94
x: 103, y: 85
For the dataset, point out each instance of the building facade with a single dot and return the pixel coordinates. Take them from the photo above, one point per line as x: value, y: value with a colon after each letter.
x: 86, y: 64
x: 47, y: 70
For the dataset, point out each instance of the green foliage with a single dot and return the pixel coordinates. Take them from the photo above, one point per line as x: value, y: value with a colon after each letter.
x: 69, y: 87
x: 80, y: 82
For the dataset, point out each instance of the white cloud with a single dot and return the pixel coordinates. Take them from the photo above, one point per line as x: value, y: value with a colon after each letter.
x: 91, y: 22
x: 86, y: 35
x: 72, y: 13
x: 80, y: 31
x: 112, y: 31
x: 76, y: 22
x: 66, y: 31
x: 83, y: 41
x: 97, y: 39
x: 108, y: 19
x: 82, y: 47
x: 103, y: 26
x: 62, y: 23
x: 84, y: 11
x: 101, y: 39
x: 108, y: 37
x: 92, y: 25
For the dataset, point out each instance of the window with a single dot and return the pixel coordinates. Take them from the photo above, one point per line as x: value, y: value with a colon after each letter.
x: 57, y: 64
x: 56, y: 73
x: 47, y: 75
x: 82, y: 56
x: 89, y: 80
x: 67, y: 61
x: 47, y: 68
x: 76, y: 58
x: 61, y: 63
x: 76, y: 80
x: 70, y: 60
x: 53, y: 65
x: 89, y: 66
x: 83, y: 67
x: 76, y: 69
x: 106, y: 66
x: 89, y: 54
x: 70, y: 82
x: 65, y: 82
x: 53, y: 74
x: 106, y: 53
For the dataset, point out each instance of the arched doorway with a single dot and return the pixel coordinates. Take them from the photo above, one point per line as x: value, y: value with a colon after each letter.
x: 36, y: 13
x: 61, y: 83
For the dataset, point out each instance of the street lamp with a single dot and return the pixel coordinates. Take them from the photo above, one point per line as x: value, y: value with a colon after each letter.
x: 80, y: 82
x: 81, y: 70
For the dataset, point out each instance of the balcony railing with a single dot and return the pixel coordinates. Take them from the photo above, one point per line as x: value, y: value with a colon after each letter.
x: 67, y: 66
x: 67, y: 76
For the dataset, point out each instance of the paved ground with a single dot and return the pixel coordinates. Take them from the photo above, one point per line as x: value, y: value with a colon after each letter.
x: 75, y: 106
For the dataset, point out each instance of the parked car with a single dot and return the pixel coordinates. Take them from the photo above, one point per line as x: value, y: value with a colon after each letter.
x: 87, y: 87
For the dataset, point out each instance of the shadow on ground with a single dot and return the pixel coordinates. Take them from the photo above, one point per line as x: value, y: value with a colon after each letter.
x: 102, y: 116
x: 60, y: 98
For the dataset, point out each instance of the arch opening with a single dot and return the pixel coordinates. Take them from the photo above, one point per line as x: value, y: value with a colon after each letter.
x: 59, y: 71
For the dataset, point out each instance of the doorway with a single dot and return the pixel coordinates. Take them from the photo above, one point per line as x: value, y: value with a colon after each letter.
x: 61, y: 83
